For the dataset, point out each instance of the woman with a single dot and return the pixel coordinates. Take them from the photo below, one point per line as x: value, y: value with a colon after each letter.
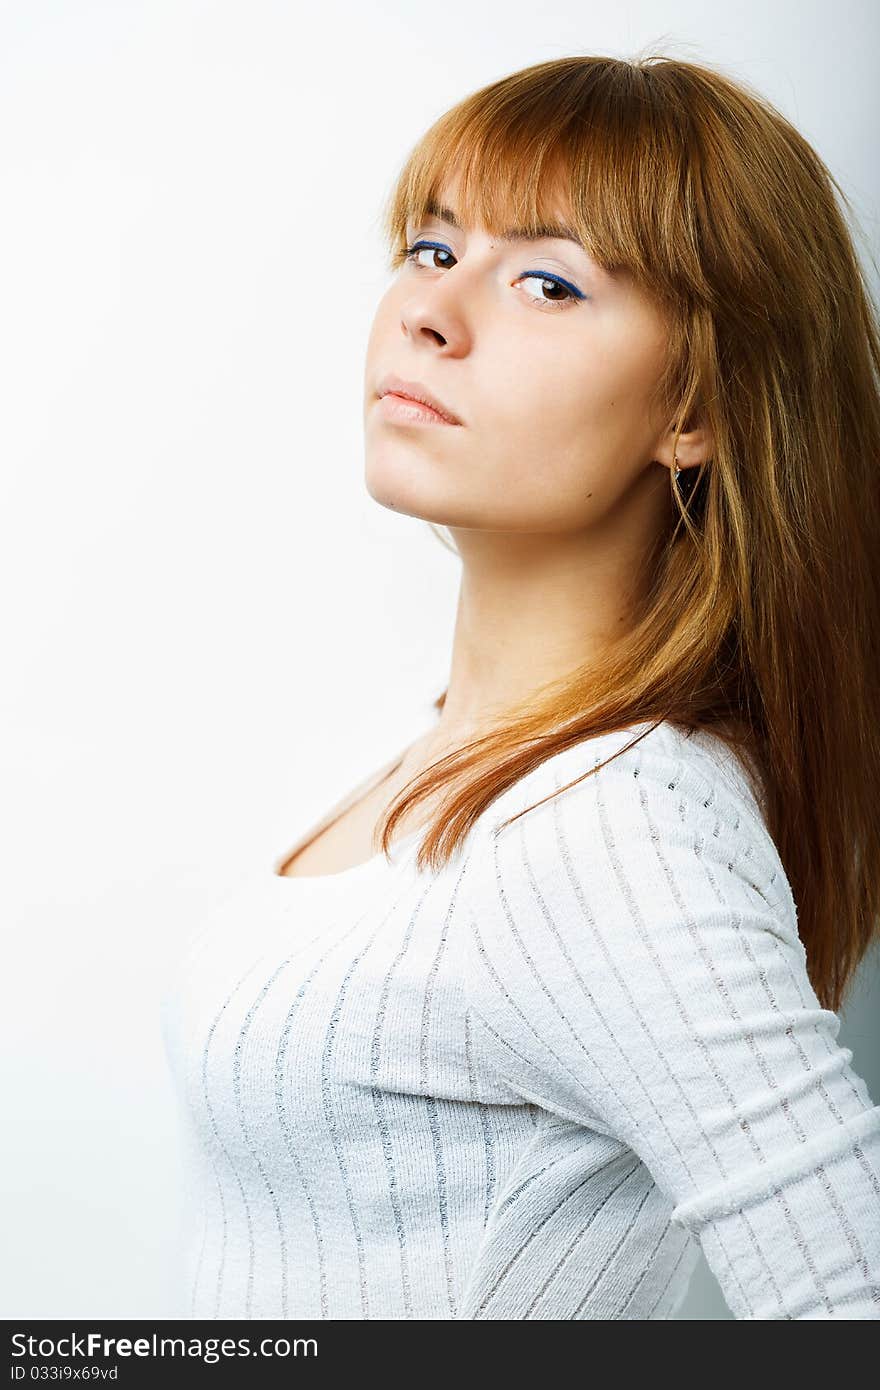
x: 574, y: 1018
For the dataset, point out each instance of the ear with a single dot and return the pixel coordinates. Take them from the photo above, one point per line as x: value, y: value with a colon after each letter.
x: 693, y: 448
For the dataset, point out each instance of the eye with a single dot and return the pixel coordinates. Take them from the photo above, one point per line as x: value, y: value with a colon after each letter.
x: 412, y: 253
x: 563, y: 293
x: 553, y: 282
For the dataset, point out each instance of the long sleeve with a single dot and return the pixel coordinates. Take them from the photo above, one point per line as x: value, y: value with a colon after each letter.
x: 635, y: 967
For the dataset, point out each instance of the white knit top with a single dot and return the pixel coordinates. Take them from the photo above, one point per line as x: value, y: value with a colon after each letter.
x: 534, y: 1084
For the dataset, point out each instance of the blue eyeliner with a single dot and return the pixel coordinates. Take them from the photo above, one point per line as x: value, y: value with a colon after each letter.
x: 525, y: 275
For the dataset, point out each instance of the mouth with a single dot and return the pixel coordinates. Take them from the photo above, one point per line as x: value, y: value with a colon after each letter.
x: 411, y: 402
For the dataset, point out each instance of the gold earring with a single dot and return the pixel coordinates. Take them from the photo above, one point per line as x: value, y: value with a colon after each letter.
x: 682, y: 485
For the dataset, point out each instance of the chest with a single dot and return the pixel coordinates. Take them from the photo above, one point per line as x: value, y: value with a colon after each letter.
x: 348, y: 835
x: 321, y: 1004
x: 347, y: 840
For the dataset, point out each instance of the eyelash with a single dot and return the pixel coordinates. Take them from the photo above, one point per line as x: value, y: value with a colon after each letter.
x: 575, y: 295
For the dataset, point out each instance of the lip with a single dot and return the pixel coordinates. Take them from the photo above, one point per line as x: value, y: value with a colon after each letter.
x: 417, y: 392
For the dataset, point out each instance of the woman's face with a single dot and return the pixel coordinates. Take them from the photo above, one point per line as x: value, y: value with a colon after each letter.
x: 547, y: 361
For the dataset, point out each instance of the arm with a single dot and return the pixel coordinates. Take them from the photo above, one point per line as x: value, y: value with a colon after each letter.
x: 635, y: 966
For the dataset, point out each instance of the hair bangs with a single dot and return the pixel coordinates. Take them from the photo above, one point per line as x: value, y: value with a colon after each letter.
x: 523, y: 156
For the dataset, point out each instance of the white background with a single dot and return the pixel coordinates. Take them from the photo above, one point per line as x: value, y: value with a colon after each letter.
x: 209, y: 629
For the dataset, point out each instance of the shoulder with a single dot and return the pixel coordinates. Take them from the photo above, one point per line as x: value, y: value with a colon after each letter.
x: 650, y: 813
x: 633, y: 902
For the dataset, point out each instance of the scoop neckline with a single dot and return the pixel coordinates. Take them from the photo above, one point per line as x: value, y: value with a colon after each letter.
x: 391, y: 861
x: 398, y: 850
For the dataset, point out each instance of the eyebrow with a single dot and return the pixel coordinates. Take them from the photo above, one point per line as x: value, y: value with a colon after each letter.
x: 556, y: 230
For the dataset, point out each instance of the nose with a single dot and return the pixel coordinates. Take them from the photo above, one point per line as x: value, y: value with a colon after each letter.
x: 434, y: 315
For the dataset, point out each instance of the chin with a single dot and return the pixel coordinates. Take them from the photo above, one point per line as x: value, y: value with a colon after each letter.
x: 391, y: 487
x: 398, y: 489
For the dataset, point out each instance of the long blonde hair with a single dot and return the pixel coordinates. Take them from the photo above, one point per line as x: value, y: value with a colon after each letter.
x: 758, y: 617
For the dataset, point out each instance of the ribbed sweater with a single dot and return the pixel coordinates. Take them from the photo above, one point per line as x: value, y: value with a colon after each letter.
x: 534, y: 1084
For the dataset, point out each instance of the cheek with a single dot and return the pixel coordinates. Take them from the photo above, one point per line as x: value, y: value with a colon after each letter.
x: 556, y: 409
x: 568, y: 433
x: 567, y: 395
